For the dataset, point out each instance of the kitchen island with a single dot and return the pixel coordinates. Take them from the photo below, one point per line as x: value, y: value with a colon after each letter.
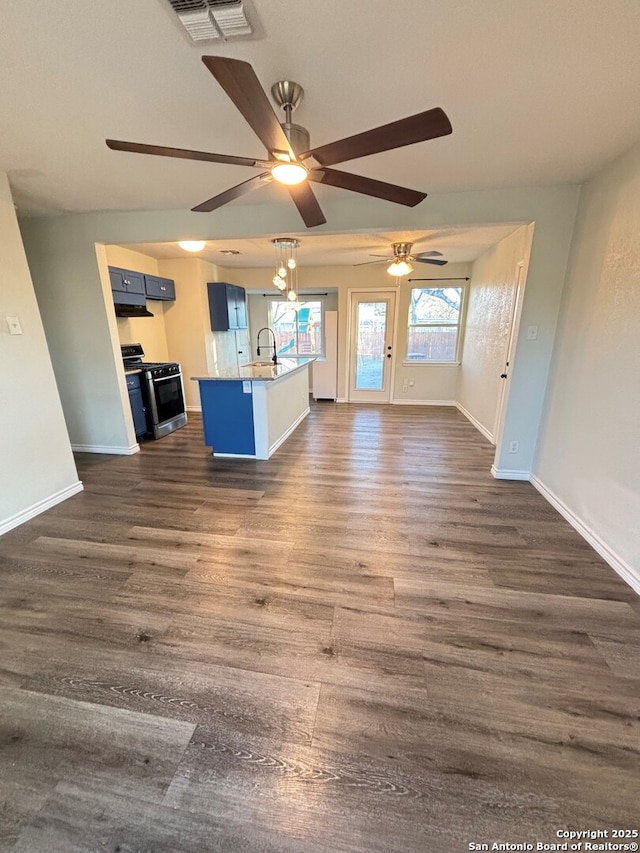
x: 250, y: 410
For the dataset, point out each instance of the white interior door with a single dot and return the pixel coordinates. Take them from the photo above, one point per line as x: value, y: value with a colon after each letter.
x: 371, y: 346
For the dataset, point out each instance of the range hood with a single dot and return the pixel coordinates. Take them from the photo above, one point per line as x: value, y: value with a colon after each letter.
x: 131, y: 310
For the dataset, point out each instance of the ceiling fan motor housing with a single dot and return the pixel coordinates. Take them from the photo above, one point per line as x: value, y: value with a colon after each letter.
x: 402, y: 250
x: 298, y: 137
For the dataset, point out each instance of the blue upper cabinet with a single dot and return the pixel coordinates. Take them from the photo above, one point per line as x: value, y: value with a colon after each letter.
x: 127, y: 286
x: 134, y: 288
x: 159, y: 288
x: 227, y: 306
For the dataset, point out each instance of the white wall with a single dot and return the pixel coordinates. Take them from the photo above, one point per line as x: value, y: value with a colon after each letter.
x: 258, y: 282
x: 491, y: 294
x: 180, y: 330
x: 588, y: 455
x: 190, y: 340
x: 432, y: 383
x: 71, y: 280
x: 37, y: 464
x: 62, y: 254
x: 148, y: 331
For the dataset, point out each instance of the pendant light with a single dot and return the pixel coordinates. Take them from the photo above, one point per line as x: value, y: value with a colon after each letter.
x: 286, y: 267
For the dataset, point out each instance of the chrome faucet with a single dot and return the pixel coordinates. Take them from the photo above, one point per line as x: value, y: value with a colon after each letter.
x: 274, y: 358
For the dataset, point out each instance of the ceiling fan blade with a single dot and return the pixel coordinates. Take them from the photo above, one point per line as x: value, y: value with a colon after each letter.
x: 239, y: 81
x: 383, y: 261
x: 184, y: 154
x: 235, y: 192
x: 432, y: 254
x: 418, y: 128
x: 429, y: 261
x: 367, y: 186
x: 307, y: 204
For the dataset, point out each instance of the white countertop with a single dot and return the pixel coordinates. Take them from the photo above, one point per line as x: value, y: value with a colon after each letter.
x: 262, y: 371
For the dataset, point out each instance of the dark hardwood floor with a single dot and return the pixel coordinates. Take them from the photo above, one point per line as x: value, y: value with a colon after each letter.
x: 364, y: 644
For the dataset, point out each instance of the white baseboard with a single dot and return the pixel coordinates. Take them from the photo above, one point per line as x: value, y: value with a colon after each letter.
x: 404, y: 402
x: 39, y: 507
x: 509, y: 474
x: 197, y: 409
x: 478, y: 426
x: 626, y: 572
x: 104, y: 448
x: 286, y: 435
x: 341, y: 400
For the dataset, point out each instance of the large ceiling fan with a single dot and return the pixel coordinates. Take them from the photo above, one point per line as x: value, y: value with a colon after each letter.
x: 290, y: 160
x: 401, y: 260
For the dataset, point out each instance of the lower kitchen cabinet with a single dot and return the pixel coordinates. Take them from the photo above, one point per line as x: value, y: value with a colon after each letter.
x: 137, y: 404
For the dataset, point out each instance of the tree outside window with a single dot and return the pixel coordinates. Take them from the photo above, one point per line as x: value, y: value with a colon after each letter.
x: 434, y: 324
x: 297, y: 326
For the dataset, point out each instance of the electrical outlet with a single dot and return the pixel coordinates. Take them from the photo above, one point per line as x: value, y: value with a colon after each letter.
x: 405, y: 388
x: 532, y: 333
x: 13, y: 324
x: 514, y: 446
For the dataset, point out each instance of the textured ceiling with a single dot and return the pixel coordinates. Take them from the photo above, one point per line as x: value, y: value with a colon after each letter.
x: 538, y: 92
x: 457, y: 245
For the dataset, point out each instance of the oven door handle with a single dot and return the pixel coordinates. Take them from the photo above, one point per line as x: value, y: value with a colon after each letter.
x: 165, y: 378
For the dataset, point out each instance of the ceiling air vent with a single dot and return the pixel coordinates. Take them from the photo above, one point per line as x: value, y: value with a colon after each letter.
x: 212, y: 19
x: 230, y: 18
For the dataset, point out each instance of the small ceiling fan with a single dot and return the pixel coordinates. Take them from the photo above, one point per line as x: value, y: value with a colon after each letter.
x: 401, y: 260
x: 290, y: 159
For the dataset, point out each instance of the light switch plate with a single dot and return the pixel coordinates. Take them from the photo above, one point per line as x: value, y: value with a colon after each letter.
x: 13, y: 324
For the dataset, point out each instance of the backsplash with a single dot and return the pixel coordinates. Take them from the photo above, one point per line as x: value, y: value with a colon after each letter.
x: 230, y: 349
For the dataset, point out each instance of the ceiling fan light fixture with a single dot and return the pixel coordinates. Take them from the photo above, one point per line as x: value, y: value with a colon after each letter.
x: 192, y: 245
x: 283, y: 140
x: 289, y: 173
x: 399, y: 268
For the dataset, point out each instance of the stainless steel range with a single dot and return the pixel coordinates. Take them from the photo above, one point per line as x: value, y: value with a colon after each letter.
x: 162, y: 390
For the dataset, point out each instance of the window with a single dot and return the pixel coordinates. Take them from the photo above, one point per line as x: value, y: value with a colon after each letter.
x: 298, y: 327
x: 434, y: 324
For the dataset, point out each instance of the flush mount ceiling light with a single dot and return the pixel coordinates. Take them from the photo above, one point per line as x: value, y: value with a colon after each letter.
x: 191, y: 245
x: 286, y: 272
